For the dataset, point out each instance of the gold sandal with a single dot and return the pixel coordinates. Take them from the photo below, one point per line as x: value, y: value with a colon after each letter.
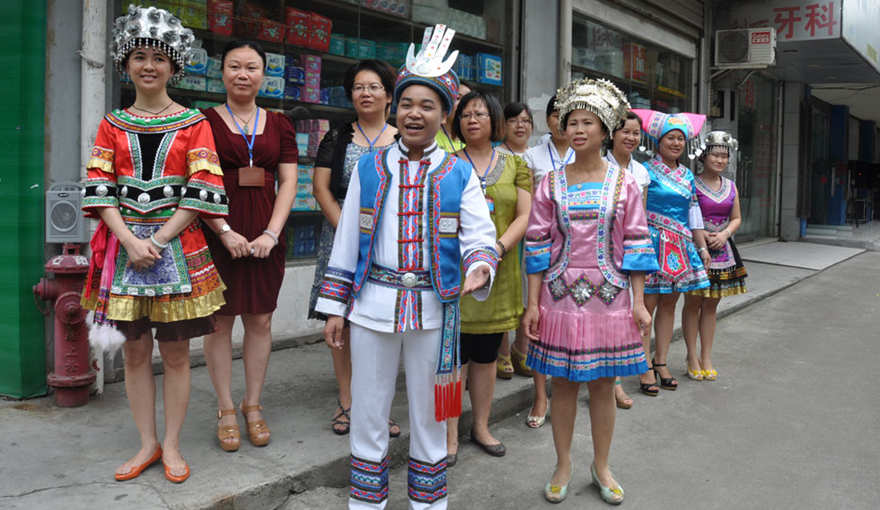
x: 258, y: 432
x: 228, y: 435
x: 519, y: 363
x: 504, y: 367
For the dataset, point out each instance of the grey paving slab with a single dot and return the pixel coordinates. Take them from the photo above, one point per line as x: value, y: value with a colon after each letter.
x: 797, y: 254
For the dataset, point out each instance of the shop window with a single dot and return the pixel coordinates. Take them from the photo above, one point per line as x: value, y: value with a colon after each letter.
x: 652, y: 77
x: 310, y: 44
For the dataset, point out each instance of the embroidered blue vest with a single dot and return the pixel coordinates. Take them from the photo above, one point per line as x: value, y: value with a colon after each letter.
x: 445, y: 185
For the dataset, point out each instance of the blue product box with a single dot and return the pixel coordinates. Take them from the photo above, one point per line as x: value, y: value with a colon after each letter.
x: 325, y: 96
x: 196, y: 62
x: 366, y: 49
x: 274, y: 64
x: 293, y: 91
x: 296, y: 75
x: 489, y: 69
x: 273, y: 86
x: 193, y: 83
x: 216, y: 86
x: 215, y: 68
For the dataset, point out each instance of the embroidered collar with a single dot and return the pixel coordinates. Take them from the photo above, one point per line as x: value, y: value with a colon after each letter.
x: 136, y: 124
x: 717, y: 196
x: 425, y: 154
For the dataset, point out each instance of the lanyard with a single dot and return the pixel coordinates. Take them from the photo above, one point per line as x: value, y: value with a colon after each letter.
x: 250, y: 143
x: 568, y: 156
x: 367, y: 138
x: 488, y: 168
x: 448, y: 138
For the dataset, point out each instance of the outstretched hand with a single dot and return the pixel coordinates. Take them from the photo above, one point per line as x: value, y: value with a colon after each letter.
x: 476, y: 280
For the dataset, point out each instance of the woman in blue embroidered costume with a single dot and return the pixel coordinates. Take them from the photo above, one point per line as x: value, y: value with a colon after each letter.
x: 369, y: 84
x: 152, y: 172
x: 586, y: 243
x: 676, y: 226
x: 719, y: 203
x: 413, y: 216
x: 507, y: 185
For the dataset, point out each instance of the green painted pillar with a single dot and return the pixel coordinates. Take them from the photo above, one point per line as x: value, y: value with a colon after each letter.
x: 22, y: 183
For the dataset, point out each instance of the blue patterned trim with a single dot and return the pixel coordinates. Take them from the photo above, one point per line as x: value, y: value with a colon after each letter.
x: 369, y: 480
x: 485, y: 254
x: 426, y: 482
x: 558, y: 185
x: 335, y: 290
x: 639, y: 255
x: 387, y: 277
x: 611, y: 188
x: 339, y: 274
x: 677, y: 179
x: 537, y: 256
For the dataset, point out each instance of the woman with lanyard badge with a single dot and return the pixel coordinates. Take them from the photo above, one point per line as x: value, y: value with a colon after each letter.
x: 542, y: 159
x: 507, y: 185
x: 369, y: 85
x: 622, y: 143
x: 256, y: 147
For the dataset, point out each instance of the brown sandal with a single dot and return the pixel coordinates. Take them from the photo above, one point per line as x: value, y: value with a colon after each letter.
x: 228, y: 435
x: 258, y: 432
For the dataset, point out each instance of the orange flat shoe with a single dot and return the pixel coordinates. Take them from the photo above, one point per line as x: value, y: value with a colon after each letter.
x: 176, y: 478
x: 136, y: 472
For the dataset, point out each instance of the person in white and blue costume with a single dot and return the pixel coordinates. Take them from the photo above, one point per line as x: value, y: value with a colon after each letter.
x: 412, y: 218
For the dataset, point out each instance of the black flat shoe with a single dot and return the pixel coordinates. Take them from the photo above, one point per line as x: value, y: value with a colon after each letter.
x: 451, y: 459
x: 495, y: 450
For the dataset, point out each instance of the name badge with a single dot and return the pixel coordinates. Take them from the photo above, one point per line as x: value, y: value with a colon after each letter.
x: 251, y: 177
x: 491, y: 203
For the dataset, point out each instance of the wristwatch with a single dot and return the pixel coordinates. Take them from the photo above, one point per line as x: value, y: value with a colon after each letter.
x: 225, y: 228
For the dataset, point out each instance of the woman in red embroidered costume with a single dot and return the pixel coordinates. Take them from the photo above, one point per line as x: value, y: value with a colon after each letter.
x: 152, y: 172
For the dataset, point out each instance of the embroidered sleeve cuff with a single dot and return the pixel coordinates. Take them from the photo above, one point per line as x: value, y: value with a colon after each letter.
x: 537, y: 254
x: 336, y: 290
x: 205, y: 198
x: 203, y: 159
x: 486, y: 254
x: 102, y: 159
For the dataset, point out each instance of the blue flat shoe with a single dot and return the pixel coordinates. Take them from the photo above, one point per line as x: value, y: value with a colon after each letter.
x: 611, y: 496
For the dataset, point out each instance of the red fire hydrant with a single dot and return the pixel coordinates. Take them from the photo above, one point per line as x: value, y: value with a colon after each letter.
x: 73, y: 374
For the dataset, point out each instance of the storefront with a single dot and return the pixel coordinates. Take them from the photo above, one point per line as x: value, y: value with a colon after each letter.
x: 310, y: 44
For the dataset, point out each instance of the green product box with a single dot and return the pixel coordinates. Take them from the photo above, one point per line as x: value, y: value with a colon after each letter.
x: 366, y: 49
x: 337, y: 44
x: 352, y: 47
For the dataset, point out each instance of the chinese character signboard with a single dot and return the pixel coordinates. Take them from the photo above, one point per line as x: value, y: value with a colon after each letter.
x: 794, y: 20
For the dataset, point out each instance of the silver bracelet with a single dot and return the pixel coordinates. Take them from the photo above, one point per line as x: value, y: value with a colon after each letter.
x: 157, y: 244
x: 272, y: 235
x: 702, y: 249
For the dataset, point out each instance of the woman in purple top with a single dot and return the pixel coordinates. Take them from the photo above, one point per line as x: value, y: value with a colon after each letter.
x: 719, y: 203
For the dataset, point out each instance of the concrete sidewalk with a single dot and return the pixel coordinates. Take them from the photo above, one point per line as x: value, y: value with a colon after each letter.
x: 55, y: 457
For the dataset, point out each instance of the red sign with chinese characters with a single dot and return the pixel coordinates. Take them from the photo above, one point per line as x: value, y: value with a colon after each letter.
x: 794, y: 20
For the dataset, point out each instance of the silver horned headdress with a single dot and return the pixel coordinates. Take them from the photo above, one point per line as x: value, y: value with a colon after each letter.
x: 151, y: 27
x: 598, y: 96
x: 717, y: 139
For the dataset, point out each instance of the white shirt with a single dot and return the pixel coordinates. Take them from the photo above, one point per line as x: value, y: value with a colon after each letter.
x: 544, y: 157
x: 636, y: 169
x: 387, y: 309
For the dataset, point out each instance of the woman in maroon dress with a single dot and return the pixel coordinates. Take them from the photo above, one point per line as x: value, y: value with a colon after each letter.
x: 256, y: 147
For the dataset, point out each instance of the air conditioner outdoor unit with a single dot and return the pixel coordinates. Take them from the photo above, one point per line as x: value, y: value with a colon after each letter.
x: 745, y: 48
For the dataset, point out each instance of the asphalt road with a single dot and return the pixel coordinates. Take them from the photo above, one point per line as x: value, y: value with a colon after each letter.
x: 792, y: 422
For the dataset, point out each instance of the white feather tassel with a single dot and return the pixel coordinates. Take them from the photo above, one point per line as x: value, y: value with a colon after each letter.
x: 104, y: 337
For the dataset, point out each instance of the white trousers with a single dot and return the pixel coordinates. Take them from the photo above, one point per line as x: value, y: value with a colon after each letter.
x: 375, y: 358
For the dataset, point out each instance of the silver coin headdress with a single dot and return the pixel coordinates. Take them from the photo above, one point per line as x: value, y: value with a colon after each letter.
x: 155, y: 28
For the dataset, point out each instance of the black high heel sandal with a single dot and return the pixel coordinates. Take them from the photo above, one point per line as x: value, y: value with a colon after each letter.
x: 649, y: 389
x: 667, y: 383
